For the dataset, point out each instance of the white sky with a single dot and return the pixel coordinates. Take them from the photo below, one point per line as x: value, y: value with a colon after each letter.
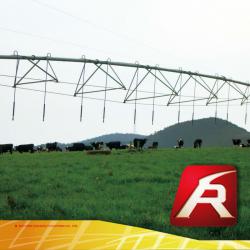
x: 208, y: 36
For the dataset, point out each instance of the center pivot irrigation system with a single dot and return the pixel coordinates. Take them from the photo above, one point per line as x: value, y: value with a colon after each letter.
x: 128, y: 83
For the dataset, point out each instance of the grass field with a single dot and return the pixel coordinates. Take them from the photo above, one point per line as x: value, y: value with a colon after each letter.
x: 129, y: 188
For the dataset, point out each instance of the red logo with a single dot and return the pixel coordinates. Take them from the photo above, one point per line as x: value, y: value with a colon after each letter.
x: 206, y: 197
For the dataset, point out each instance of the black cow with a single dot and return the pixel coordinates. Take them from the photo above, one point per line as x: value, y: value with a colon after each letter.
x: 180, y: 143
x: 139, y: 143
x: 97, y: 145
x: 114, y: 144
x: 248, y: 143
x: 236, y: 142
x: 197, y: 143
x: 154, y: 145
x: 88, y: 147
x: 76, y: 147
x: 25, y: 148
x: 52, y: 147
x: 4, y: 148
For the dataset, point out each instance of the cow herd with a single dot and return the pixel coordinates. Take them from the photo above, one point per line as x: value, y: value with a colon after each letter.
x: 137, y: 144
x: 197, y: 143
x: 50, y: 147
x: 238, y: 142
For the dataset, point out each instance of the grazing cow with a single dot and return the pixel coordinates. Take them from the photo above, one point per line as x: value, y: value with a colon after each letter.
x: 76, y: 147
x: 25, y: 148
x: 113, y: 144
x: 180, y: 143
x: 97, y: 145
x: 40, y: 149
x: 197, y: 143
x: 4, y: 148
x: 236, y: 142
x: 88, y: 147
x: 154, y: 145
x: 52, y: 147
x: 123, y: 147
x: 139, y: 143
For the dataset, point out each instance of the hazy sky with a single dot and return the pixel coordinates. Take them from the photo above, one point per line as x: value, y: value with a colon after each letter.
x: 210, y: 36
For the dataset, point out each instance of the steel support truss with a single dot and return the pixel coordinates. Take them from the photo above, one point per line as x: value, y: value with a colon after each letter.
x: 214, y: 87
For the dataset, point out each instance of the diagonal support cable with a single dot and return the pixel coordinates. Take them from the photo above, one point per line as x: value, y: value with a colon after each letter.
x: 169, y: 102
x: 216, y: 93
x: 138, y: 84
x: 98, y: 67
x: 125, y: 99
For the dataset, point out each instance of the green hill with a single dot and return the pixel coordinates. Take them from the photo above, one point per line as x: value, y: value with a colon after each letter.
x: 220, y: 133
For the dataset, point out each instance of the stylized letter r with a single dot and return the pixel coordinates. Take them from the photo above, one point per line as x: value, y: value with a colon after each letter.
x: 216, y: 202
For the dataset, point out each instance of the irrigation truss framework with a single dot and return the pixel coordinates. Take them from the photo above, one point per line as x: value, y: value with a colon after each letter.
x: 140, y: 85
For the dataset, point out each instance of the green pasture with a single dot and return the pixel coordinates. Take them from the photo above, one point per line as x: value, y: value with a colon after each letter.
x: 137, y: 189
